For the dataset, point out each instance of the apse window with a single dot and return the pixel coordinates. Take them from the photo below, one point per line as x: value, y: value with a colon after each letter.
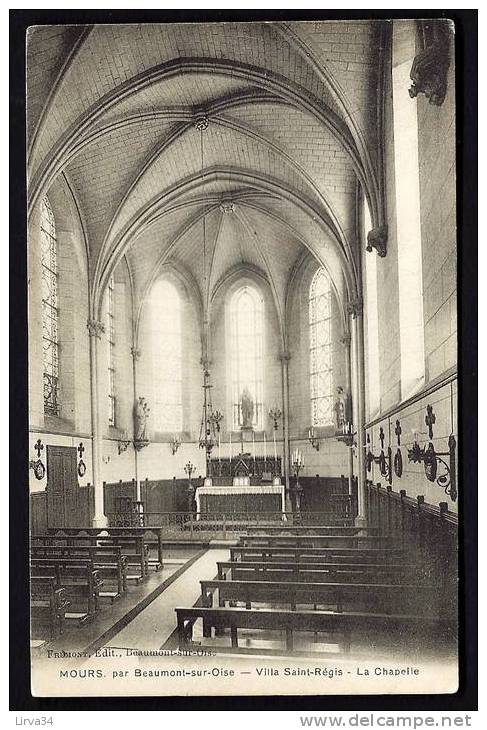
x: 321, y: 374
x: 165, y: 306
x: 408, y: 211
x: 50, y: 312
x: 110, y: 317
x: 247, y: 357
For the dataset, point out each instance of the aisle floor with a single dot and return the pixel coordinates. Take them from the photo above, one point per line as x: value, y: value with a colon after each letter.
x: 153, y: 626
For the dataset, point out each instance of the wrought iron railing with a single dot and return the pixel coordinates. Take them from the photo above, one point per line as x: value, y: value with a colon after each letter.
x: 208, y: 525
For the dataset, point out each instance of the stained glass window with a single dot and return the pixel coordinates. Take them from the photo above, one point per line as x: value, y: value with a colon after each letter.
x: 167, y: 357
x: 110, y: 313
x: 247, y: 353
x: 49, y: 309
x: 321, y: 373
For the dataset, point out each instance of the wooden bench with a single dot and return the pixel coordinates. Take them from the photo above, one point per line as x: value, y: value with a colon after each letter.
x: 353, y: 541
x: 341, y: 555
x: 377, y: 597
x: 400, y: 626
x: 286, y: 529
x: 107, y: 559
x: 133, y: 548
x: 78, y: 577
x: 48, y: 605
x: 315, y: 572
x: 119, y: 532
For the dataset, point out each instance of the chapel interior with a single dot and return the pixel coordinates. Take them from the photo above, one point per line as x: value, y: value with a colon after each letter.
x: 243, y: 337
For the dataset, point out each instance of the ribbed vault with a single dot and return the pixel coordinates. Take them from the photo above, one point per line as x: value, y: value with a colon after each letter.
x: 291, y: 134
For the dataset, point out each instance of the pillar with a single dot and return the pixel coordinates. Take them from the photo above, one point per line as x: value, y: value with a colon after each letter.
x: 284, y: 357
x: 355, y: 310
x: 346, y: 342
x: 96, y: 329
x: 136, y: 353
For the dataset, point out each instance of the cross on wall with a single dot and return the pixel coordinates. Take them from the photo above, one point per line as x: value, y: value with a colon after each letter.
x: 81, y: 450
x: 398, y: 432
x: 430, y: 419
x: 381, y: 438
x: 39, y: 446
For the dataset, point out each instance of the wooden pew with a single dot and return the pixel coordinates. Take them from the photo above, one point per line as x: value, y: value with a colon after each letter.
x: 48, y: 605
x: 119, y: 532
x: 77, y: 576
x: 287, y: 529
x: 107, y: 559
x: 315, y: 571
x: 133, y: 548
x: 352, y: 541
x: 417, y: 629
x: 376, y: 598
x: 312, y: 554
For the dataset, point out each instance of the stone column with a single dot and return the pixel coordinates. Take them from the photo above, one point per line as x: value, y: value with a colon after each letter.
x: 284, y: 357
x: 96, y: 329
x: 355, y: 310
x: 136, y: 353
x: 346, y: 342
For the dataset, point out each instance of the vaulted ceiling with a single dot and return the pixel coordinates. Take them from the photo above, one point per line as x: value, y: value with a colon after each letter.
x: 292, y: 130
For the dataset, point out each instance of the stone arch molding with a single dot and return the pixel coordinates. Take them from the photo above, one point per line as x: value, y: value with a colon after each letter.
x: 165, y: 202
x: 271, y: 83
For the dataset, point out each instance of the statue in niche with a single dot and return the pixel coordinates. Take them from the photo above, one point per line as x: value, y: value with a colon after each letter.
x: 247, y: 409
x: 340, y: 409
x: 142, y: 411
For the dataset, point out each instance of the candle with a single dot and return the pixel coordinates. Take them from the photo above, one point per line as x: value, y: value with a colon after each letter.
x: 230, y: 448
x: 253, y: 444
x: 265, y: 449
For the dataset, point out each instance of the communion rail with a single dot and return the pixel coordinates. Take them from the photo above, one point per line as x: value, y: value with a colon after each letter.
x: 196, y: 526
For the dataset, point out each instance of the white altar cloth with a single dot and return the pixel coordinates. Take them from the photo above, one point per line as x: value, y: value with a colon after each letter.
x: 240, y: 489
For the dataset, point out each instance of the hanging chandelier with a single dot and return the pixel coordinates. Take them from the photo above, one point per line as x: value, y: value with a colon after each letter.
x: 210, y: 419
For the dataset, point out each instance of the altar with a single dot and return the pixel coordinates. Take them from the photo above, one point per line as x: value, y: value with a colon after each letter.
x: 240, y: 497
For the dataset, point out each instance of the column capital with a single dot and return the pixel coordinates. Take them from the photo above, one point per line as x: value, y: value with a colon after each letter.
x: 95, y: 328
x: 354, y: 307
x: 136, y: 353
x: 284, y: 357
x: 377, y: 238
x: 346, y: 339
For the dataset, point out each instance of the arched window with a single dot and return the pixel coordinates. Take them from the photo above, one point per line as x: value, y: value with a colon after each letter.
x: 321, y: 374
x: 110, y: 315
x: 49, y: 309
x: 247, y: 350
x: 165, y: 306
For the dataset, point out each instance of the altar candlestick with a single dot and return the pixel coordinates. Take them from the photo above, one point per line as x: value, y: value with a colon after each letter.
x: 265, y: 450
x: 253, y: 444
x: 230, y: 449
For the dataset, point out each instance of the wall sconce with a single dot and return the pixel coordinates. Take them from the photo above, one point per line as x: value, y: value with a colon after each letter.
x: 384, y: 462
x: 123, y: 442
x: 175, y: 444
x: 430, y: 458
x: 347, y: 435
x: 312, y: 438
x: 275, y: 415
